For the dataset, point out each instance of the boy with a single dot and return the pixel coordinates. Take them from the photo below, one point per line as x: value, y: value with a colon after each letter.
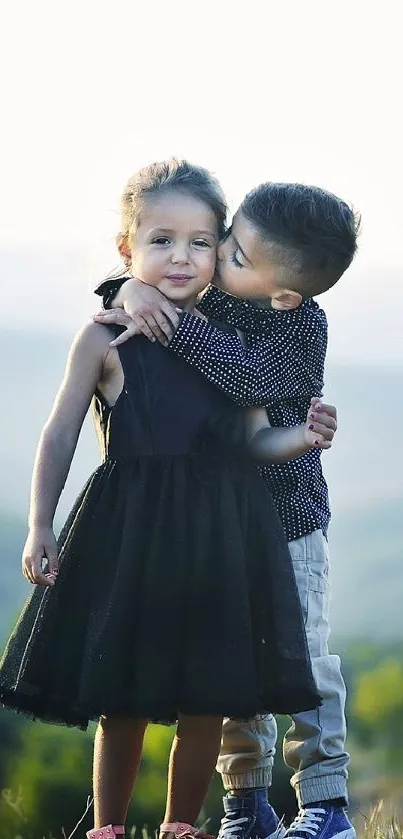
x: 287, y: 243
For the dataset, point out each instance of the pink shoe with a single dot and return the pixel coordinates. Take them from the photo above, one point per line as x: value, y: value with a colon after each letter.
x: 109, y: 831
x: 181, y: 830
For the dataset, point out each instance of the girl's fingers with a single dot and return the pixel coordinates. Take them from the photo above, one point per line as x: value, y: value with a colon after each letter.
x: 29, y: 573
x: 112, y: 316
x: 128, y: 333
x: 320, y: 428
x: 30, y: 563
x: 319, y: 437
x: 41, y: 579
x: 324, y: 419
x: 26, y: 573
x: 329, y: 423
x: 329, y: 410
x: 32, y: 571
x: 53, y: 564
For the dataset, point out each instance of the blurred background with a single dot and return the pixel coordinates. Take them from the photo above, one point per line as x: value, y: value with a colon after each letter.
x: 296, y: 92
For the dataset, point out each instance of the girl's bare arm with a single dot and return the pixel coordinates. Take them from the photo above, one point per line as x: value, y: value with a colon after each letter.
x: 59, y: 437
x: 277, y: 445
x: 58, y: 442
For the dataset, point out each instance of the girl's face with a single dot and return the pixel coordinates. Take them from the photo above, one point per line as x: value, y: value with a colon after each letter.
x: 173, y: 246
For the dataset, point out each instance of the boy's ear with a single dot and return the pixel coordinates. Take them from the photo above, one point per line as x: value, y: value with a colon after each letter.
x: 124, y: 248
x: 286, y: 299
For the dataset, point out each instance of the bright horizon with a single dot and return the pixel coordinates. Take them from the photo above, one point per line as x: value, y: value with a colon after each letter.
x: 292, y: 93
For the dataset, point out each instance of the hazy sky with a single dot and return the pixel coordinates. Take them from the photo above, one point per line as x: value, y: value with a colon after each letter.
x: 266, y: 91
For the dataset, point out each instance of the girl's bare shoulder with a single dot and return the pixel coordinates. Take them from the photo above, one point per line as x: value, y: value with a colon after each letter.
x: 91, y: 344
x: 96, y: 336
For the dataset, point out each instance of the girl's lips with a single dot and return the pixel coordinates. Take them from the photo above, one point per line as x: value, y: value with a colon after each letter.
x: 179, y: 279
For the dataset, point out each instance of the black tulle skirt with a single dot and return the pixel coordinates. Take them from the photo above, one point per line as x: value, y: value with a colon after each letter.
x: 175, y: 595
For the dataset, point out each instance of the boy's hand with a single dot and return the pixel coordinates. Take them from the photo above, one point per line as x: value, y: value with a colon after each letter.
x: 41, y: 543
x: 151, y: 313
x: 321, y: 424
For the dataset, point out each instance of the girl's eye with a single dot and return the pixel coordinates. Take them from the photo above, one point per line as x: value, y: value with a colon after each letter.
x: 236, y: 261
x: 161, y: 240
x: 201, y: 243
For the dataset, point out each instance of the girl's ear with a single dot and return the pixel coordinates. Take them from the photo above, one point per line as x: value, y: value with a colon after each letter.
x: 123, y: 247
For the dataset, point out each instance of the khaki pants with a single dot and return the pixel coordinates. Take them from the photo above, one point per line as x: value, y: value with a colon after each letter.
x: 314, y: 745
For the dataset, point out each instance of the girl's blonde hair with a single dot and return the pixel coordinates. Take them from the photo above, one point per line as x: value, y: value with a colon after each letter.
x: 169, y: 175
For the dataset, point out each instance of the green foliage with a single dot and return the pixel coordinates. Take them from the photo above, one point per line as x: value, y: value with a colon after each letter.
x: 377, y: 713
x: 148, y: 800
x: 51, y: 773
x: 379, y: 695
x: 49, y: 770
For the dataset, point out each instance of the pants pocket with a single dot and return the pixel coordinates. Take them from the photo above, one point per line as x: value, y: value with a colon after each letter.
x: 311, y: 568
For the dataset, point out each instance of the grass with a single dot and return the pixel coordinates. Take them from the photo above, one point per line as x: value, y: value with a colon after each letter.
x: 385, y: 821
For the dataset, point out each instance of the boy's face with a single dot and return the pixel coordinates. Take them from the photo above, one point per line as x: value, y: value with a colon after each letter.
x: 244, y: 268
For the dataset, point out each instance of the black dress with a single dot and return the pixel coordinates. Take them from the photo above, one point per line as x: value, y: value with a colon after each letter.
x: 175, y: 591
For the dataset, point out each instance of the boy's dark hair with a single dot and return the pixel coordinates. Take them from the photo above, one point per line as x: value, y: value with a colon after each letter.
x: 309, y: 231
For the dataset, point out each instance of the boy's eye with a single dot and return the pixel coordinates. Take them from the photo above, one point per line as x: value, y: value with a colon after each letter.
x: 236, y: 261
x: 161, y: 240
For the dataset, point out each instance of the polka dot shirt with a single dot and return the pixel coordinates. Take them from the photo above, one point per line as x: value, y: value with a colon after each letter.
x: 281, y: 367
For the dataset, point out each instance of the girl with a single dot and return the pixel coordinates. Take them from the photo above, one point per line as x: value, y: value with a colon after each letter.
x: 170, y: 594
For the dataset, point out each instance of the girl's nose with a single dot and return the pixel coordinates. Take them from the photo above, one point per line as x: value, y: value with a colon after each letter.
x: 180, y: 254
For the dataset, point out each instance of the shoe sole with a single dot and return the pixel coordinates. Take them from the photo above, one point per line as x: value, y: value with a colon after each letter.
x: 344, y: 834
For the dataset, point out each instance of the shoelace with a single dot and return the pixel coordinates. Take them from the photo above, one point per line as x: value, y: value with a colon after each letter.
x: 232, y: 826
x: 308, y: 821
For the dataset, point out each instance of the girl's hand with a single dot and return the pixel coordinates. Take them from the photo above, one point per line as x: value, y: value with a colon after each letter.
x: 41, y: 543
x: 321, y: 425
x: 119, y: 317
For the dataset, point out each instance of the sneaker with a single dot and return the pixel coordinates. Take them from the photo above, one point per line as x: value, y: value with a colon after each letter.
x: 321, y: 821
x: 182, y: 830
x: 268, y: 824
x: 250, y: 816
